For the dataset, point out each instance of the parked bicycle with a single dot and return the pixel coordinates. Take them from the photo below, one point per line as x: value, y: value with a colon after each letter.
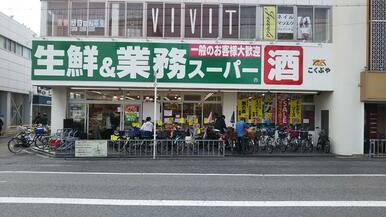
x: 323, y: 144
x: 26, y: 137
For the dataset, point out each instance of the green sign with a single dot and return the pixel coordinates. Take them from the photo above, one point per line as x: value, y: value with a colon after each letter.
x: 139, y: 62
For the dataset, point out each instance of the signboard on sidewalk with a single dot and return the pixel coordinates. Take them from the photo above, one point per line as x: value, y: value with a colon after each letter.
x: 91, y: 148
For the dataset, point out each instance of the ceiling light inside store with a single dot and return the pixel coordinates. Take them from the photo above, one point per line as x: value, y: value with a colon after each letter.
x: 130, y: 98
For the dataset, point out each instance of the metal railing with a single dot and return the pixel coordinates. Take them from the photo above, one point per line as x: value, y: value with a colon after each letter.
x: 143, y: 148
x: 377, y: 148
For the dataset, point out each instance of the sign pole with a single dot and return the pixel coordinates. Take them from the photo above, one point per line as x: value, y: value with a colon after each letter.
x: 155, y: 115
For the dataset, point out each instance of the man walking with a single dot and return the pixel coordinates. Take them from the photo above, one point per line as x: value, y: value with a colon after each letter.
x: 241, y: 127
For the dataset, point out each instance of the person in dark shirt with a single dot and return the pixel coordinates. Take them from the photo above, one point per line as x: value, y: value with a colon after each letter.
x: 1, y: 126
x: 220, y: 124
x: 44, y: 120
x: 38, y: 119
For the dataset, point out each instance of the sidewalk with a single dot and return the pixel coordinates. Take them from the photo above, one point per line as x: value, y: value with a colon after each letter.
x: 4, y: 152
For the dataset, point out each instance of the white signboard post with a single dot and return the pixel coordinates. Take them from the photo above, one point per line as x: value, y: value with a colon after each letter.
x: 91, y: 148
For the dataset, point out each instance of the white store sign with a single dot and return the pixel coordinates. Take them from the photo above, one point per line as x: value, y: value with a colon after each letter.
x: 285, y: 23
x: 91, y: 148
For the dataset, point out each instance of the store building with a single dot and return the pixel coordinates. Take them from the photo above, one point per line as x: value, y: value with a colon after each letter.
x: 373, y: 79
x: 15, y: 72
x: 297, y: 62
x: 41, y: 102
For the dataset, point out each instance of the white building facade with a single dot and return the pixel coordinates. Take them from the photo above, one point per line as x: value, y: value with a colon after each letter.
x: 289, y: 62
x: 15, y: 72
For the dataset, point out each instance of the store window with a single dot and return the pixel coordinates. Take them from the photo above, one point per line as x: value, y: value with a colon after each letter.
x: 77, y: 112
x: 96, y: 19
x: 210, y: 21
x: 79, y: 20
x: 26, y: 52
x: 247, y: 22
x: 134, y: 20
x: 192, y: 113
x: 308, y: 117
x: 214, y: 108
x: 192, y: 98
x: 57, y: 18
x: 277, y: 109
x: 230, y: 21
x: 192, y: 20
x: 172, y: 112
x: 155, y: 19
x: 2, y: 42
x: 117, y: 19
x: 305, y: 21
x: 12, y: 46
x: 285, y: 23
x: 322, y: 25
x: 19, y: 49
x: 172, y: 20
x: 77, y: 95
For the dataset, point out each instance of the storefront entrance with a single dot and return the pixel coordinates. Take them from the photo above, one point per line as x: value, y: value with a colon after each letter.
x: 103, y: 120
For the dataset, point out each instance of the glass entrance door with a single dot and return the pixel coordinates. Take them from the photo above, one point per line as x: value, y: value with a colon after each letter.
x: 103, y: 120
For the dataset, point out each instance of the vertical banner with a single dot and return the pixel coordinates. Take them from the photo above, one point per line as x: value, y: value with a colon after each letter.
x: 295, y: 110
x: 285, y: 112
x: 259, y: 109
x: 268, y: 109
x: 253, y: 109
x: 242, y: 108
x: 282, y: 109
x: 269, y: 22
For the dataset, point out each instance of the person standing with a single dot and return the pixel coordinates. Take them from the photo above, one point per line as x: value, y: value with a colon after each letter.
x: 241, y: 127
x: 147, y: 128
x: 220, y: 124
x: 44, y: 120
x: 1, y: 126
x: 38, y: 119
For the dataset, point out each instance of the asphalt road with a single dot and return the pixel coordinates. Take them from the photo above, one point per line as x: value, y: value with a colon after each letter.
x: 31, y: 185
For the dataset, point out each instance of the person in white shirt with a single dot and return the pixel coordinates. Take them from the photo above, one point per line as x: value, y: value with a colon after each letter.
x: 147, y: 128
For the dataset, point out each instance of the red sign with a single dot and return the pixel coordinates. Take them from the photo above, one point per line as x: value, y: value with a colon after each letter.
x: 283, y: 65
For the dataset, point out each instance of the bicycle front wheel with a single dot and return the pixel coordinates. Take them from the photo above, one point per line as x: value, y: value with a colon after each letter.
x: 15, y: 145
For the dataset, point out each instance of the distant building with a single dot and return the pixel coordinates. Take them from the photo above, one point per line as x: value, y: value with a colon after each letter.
x: 15, y: 72
x: 373, y: 79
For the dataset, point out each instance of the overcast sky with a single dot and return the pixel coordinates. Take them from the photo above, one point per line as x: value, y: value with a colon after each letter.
x: 24, y: 11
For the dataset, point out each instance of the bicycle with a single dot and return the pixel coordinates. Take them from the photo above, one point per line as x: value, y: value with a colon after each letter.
x: 26, y: 137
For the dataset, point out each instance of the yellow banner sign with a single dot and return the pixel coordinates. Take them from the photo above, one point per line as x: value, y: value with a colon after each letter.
x: 269, y: 23
x: 296, y: 111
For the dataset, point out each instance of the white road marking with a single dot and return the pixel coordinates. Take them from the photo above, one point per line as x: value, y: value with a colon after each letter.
x: 192, y: 174
x: 190, y: 203
x: 3, y: 181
